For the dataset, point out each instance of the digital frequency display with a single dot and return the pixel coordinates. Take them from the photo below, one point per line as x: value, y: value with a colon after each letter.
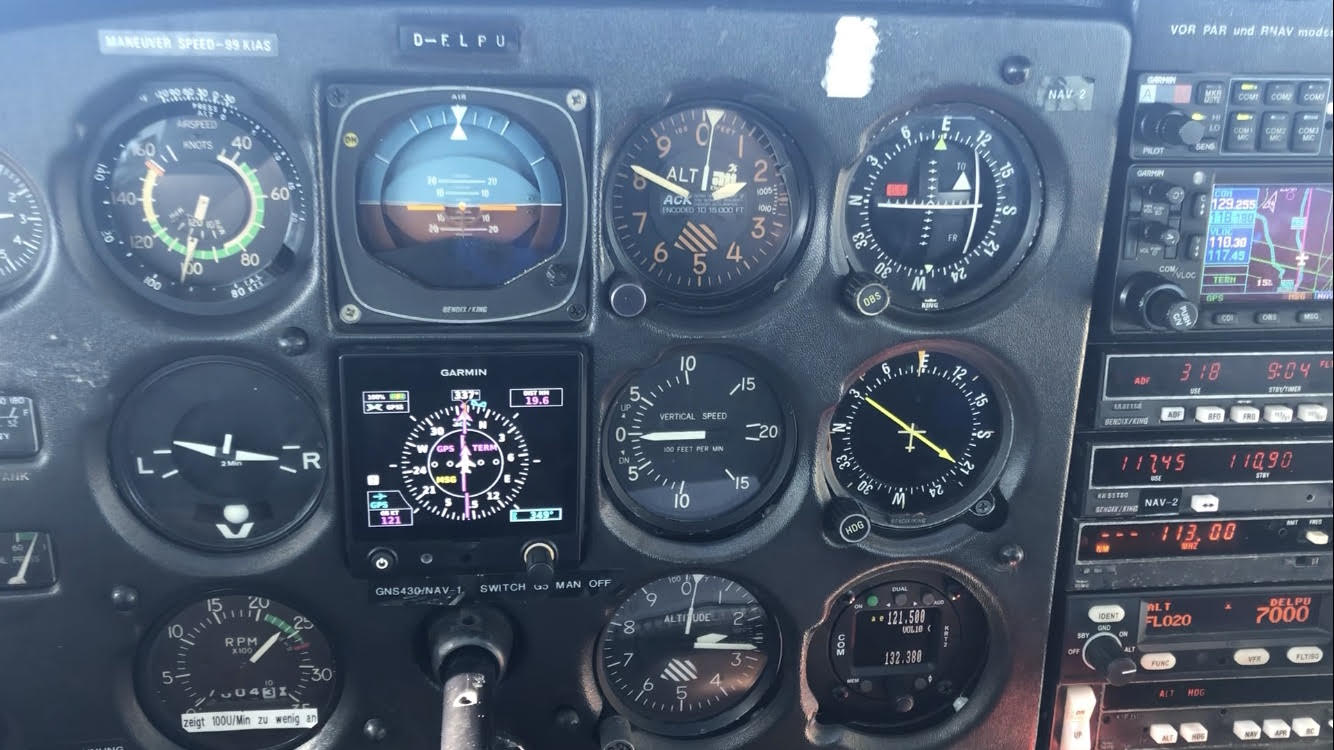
x: 1169, y: 539
x: 1247, y: 613
x: 462, y: 446
x: 1210, y: 463
x: 888, y: 641
x: 1205, y: 375
x: 1268, y: 242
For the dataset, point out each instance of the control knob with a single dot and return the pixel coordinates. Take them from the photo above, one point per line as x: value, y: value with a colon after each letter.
x: 1164, y: 192
x: 1154, y: 231
x: 1156, y: 303
x: 1103, y: 654
x: 1167, y: 125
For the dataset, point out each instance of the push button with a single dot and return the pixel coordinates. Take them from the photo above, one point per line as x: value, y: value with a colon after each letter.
x: 1226, y: 319
x: 1194, y: 247
x: 1251, y: 657
x: 1267, y: 318
x: 1305, y: 654
x: 1313, y: 93
x: 1172, y: 414
x: 1159, y: 662
x: 1210, y: 92
x: 1275, y: 129
x: 1305, y: 726
x: 1307, y: 130
x: 1194, y: 732
x: 1246, y: 730
x: 1244, y: 414
x: 1318, y: 537
x: 1165, y: 734
x: 1312, y: 413
x: 1210, y: 414
x: 1242, y: 130
x: 1312, y: 317
x: 1277, y: 729
x: 1278, y: 414
x: 1103, y: 613
x: 1204, y: 503
x: 1245, y: 92
x: 1280, y: 93
x: 1199, y: 206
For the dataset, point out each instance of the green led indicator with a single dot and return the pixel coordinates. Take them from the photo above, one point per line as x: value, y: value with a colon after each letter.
x: 872, y: 600
x: 398, y: 396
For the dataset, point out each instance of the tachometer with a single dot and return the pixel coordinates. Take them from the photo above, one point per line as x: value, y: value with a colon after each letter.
x: 238, y: 672
x: 198, y: 202
x: 945, y: 207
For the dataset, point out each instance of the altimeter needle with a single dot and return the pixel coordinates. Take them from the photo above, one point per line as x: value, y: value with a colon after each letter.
x: 660, y: 181
x: 912, y: 431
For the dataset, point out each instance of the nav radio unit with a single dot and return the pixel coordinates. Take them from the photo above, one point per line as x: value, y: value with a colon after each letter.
x: 1225, y: 248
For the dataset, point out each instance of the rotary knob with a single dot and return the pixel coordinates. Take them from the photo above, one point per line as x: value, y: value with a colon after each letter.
x: 1104, y: 654
x: 1166, y: 125
x: 1156, y: 303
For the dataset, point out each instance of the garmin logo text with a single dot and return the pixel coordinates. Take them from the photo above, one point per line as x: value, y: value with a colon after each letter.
x: 463, y: 372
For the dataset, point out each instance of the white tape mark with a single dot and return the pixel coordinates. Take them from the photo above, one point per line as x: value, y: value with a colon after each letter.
x: 849, y: 72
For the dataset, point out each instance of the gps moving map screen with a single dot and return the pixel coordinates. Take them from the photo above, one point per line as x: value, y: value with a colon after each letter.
x: 1268, y: 242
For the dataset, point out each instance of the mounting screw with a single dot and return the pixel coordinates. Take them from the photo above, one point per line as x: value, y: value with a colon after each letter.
x: 984, y: 507
x: 1011, y: 555
x: 374, y: 730
x: 567, y: 718
x: 349, y: 314
x: 1016, y: 69
x: 124, y: 598
x: 841, y: 693
x: 558, y: 274
x: 576, y: 311
x: 576, y: 100
x: 337, y: 96
x: 350, y: 139
x: 293, y: 341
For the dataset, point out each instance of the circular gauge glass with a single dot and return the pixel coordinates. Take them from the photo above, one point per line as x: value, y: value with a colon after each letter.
x: 705, y: 201
x: 464, y: 462
x: 460, y: 196
x: 198, y: 204
x: 24, y: 232
x: 917, y: 438
x: 945, y: 207
x: 238, y: 672
x: 688, y: 654
x: 697, y: 443
x: 219, y: 453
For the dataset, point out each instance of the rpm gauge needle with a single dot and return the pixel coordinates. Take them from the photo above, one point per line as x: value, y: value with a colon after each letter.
x: 259, y: 652
x: 660, y: 181
x: 912, y: 432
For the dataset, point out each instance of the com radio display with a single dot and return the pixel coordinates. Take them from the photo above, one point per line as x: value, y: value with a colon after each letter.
x: 463, y: 446
x: 1268, y: 242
